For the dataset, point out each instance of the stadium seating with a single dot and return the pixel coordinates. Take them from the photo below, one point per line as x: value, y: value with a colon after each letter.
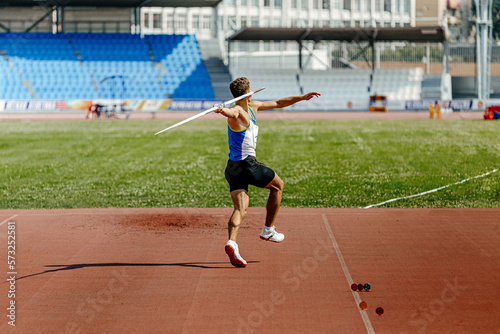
x: 47, y: 66
x: 11, y: 85
x: 184, y: 74
x: 396, y: 84
x: 337, y: 84
x: 399, y: 84
x: 278, y: 83
x: 109, y: 66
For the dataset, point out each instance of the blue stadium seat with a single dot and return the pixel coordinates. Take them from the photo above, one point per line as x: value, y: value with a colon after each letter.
x: 48, y: 63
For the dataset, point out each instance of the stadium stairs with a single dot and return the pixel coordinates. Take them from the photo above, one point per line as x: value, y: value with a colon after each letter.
x: 218, y: 72
x: 431, y: 86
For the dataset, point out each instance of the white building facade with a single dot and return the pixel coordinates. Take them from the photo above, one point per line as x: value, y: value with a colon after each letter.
x: 231, y: 15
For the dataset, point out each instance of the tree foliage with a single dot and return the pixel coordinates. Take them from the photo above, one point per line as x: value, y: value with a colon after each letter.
x: 495, y: 16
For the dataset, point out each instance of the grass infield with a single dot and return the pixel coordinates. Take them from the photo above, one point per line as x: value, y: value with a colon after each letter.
x: 323, y: 163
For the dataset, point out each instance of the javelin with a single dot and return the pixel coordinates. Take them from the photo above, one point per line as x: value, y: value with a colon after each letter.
x: 209, y: 110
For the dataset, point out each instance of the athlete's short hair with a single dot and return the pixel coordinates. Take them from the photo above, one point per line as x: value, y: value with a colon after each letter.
x: 239, y: 86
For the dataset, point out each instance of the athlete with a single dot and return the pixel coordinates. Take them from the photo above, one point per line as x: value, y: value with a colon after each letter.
x: 242, y: 167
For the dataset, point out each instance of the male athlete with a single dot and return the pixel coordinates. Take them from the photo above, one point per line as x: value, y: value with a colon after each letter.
x: 243, y: 169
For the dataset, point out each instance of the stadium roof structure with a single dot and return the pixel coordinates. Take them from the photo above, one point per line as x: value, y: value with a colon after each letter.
x: 377, y: 34
x: 110, y: 3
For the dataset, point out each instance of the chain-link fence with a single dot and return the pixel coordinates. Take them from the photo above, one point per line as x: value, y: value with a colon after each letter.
x: 428, y: 56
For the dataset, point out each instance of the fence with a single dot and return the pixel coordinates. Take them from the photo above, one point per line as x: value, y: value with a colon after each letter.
x: 428, y: 56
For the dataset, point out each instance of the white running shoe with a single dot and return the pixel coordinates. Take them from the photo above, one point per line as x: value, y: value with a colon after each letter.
x: 234, y: 254
x: 271, y: 235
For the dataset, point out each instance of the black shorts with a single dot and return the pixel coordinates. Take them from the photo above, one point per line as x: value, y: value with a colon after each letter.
x: 239, y: 174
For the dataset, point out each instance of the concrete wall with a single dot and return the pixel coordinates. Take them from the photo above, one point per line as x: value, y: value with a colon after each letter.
x: 82, y: 20
x: 465, y: 87
x: 20, y: 19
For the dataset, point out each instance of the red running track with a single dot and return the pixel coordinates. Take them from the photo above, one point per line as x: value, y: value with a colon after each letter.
x: 165, y: 271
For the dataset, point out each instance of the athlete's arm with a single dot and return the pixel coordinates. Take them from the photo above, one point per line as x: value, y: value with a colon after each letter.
x: 235, y: 116
x: 282, y: 103
x: 232, y: 112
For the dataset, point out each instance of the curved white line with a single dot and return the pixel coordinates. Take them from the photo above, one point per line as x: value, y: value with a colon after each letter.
x: 431, y: 191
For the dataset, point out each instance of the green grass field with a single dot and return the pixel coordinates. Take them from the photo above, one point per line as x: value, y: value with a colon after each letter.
x: 323, y: 163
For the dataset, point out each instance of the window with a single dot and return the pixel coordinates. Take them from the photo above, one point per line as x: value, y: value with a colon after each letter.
x: 278, y: 3
x: 244, y: 22
x: 207, y: 22
x: 347, y: 4
x: 230, y: 2
x: 398, y: 6
x: 336, y: 4
x: 304, y: 4
x: 157, y: 21
x: 146, y: 20
x: 267, y: 3
x: 293, y: 4
x: 180, y: 22
x: 316, y: 4
x: 244, y: 2
x: 325, y: 4
x: 170, y: 21
x: 196, y: 21
x: 387, y: 5
x: 231, y: 22
x: 255, y: 3
x: 355, y: 5
x: 255, y: 21
x: 406, y: 8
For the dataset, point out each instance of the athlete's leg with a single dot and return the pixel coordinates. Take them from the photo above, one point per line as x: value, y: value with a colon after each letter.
x: 274, y: 200
x: 240, y: 201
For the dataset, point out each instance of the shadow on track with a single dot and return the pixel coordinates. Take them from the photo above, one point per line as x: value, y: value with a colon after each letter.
x: 203, y: 265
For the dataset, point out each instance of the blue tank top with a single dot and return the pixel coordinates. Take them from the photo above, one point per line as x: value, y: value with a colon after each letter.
x: 243, y: 143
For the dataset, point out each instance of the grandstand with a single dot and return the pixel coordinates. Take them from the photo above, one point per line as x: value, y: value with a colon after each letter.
x: 396, y: 84
x: 102, y: 66
x: 182, y: 50
x: 126, y: 66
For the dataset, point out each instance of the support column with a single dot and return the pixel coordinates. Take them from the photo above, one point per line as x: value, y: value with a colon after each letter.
x: 300, y: 55
x: 372, y: 45
x: 60, y: 19
x: 216, y: 22
x: 483, y: 47
x: 136, y: 21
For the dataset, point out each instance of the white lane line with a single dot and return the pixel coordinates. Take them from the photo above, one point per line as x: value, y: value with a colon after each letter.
x: 6, y: 220
x: 357, y: 299
x: 431, y: 191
